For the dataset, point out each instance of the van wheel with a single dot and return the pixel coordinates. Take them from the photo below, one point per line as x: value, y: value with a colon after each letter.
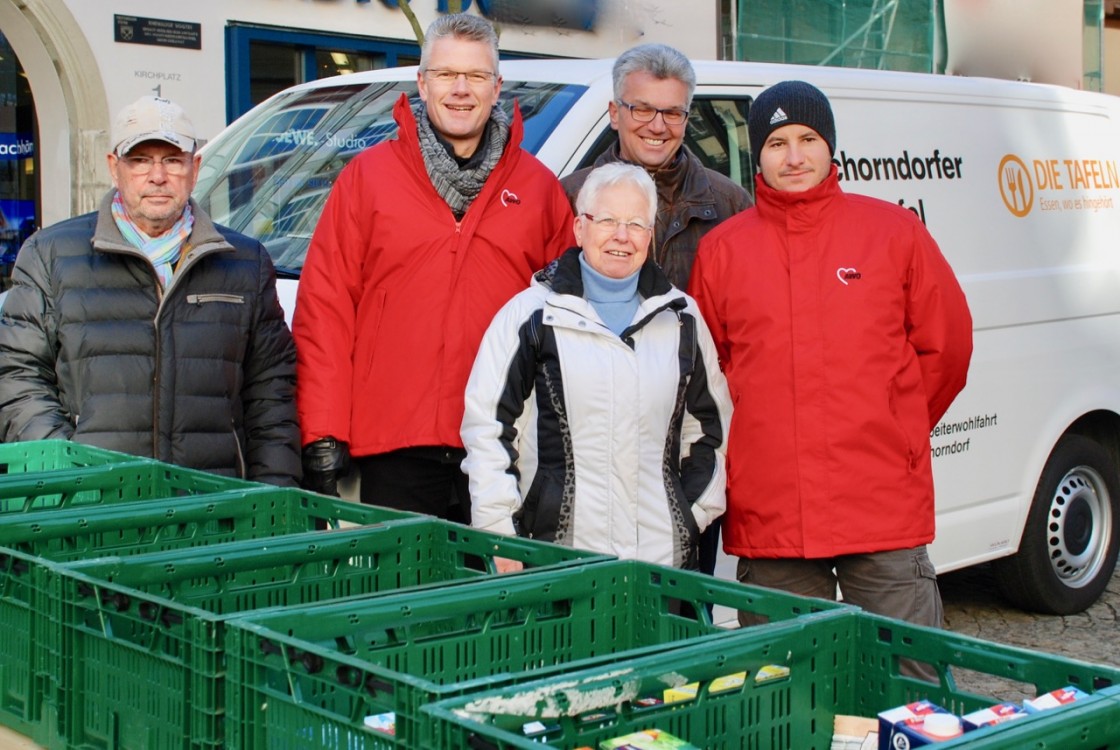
x: 1068, y: 551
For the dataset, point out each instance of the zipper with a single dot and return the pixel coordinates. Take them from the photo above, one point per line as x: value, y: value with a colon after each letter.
x: 241, y: 468
x: 156, y: 362
x: 200, y: 299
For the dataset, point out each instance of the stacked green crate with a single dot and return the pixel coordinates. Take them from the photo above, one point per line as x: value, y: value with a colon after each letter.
x: 140, y: 479
x: 143, y: 635
x: 51, y: 482
x: 797, y: 678
x: 119, y: 509
x: 320, y: 676
x: 51, y: 455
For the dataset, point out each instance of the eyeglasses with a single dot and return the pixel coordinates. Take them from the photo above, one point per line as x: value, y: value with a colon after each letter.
x: 646, y: 113
x: 176, y: 166
x: 611, y: 224
x: 476, y: 77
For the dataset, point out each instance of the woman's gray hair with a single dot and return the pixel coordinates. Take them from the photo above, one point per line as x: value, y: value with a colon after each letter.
x: 659, y: 60
x: 616, y: 173
x: 459, y: 26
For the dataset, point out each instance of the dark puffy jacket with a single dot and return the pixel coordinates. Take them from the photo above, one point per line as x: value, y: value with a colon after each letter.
x: 203, y: 376
x: 691, y: 201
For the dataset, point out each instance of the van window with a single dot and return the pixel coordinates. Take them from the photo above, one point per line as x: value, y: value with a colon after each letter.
x: 716, y: 133
x: 271, y: 179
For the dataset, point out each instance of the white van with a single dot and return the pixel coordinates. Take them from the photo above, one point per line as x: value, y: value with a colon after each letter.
x: 1018, y: 183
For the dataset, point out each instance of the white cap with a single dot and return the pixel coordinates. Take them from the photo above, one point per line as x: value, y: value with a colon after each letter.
x: 941, y: 725
x: 151, y: 118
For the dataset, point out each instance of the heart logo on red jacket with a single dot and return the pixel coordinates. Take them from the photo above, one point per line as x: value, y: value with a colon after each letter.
x: 510, y: 197
x: 847, y: 274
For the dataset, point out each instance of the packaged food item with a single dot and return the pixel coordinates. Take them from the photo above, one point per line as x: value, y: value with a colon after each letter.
x: 681, y: 693
x: 916, y: 724
x: 538, y: 728
x: 727, y: 682
x: 854, y: 733
x: 1054, y: 699
x: 771, y: 672
x: 647, y: 739
x: 992, y: 715
x: 718, y: 685
x: 386, y: 722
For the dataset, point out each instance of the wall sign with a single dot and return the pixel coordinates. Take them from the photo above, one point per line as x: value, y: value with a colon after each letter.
x: 157, y: 31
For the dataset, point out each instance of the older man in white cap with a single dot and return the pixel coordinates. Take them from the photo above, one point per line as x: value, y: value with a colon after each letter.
x: 145, y: 328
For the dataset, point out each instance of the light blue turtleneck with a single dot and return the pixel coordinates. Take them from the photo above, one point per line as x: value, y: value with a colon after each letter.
x: 616, y: 300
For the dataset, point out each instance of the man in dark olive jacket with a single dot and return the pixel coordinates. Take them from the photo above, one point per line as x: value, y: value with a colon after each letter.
x: 145, y: 328
x: 653, y: 86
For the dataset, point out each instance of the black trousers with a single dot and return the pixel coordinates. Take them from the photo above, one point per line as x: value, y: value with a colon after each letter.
x: 709, y: 546
x: 422, y: 480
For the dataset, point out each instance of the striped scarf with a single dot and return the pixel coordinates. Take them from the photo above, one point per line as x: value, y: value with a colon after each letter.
x: 162, y: 251
x: 459, y: 187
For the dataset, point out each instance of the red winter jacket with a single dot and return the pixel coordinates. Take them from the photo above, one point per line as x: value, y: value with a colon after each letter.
x: 844, y: 336
x: 395, y: 294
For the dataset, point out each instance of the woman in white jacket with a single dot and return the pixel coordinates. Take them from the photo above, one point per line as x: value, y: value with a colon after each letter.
x: 596, y: 414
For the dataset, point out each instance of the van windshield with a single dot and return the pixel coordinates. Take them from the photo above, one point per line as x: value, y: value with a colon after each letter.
x: 268, y: 174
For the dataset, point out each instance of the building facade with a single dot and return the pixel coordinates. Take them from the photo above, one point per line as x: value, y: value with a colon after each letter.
x: 67, y: 65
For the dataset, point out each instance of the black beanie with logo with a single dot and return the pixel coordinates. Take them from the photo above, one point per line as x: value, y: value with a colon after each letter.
x: 790, y: 103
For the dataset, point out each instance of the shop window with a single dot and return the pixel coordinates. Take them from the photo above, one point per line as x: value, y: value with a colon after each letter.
x: 272, y: 68
x: 264, y: 61
x: 275, y: 67
x: 19, y: 184
x: 340, y: 62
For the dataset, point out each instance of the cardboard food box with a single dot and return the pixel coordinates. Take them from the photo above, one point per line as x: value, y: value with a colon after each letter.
x: 916, y: 724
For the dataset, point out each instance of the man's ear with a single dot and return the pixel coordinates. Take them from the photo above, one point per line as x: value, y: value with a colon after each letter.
x: 112, y: 160
x: 612, y: 109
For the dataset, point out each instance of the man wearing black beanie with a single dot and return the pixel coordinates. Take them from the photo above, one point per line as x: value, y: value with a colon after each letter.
x: 845, y: 336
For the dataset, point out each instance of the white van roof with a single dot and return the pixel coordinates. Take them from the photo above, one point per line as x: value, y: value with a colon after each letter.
x: 596, y: 73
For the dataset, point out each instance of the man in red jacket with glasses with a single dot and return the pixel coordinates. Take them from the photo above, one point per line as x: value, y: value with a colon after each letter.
x: 422, y: 240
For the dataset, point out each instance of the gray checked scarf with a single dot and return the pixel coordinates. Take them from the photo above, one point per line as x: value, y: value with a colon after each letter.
x: 458, y: 186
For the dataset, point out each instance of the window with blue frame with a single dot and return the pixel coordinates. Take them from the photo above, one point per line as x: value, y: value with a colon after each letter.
x: 264, y: 60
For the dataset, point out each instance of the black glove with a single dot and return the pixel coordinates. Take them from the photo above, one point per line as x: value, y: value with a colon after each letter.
x: 324, y: 461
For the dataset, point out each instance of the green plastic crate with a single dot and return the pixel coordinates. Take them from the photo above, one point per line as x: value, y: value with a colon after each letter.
x: 143, y: 636
x: 51, y: 455
x: 308, y: 678
x: 166, y: 520
x: 141, y: 479
x: 44, y: 482
x: 841, y: 665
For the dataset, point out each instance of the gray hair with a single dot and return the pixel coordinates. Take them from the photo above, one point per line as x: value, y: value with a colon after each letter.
x: 459, y: 26
x: 616, y: 173
x: 659, y: 60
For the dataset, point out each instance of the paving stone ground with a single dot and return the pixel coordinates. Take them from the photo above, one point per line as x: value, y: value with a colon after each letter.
x: 973, y: 607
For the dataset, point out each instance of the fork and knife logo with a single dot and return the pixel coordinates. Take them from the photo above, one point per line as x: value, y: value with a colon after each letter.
x: 1015, y: 185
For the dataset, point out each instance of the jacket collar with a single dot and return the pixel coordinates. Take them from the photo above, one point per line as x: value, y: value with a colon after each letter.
x: 684, y: 182
x: 797, y: 210
x: 203, y: 240
x: 406, y: 124
x: 563, y: 276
